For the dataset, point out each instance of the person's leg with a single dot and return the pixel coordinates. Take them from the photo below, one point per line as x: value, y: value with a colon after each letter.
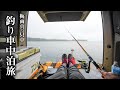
x: 73, y: 71
x: 61, y: 73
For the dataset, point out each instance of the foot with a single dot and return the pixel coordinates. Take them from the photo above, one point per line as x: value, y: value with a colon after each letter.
x: 71, y: 59
x: 64, y: 59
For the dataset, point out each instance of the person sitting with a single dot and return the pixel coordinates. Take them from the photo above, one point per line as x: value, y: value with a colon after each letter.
x: 67, y: 70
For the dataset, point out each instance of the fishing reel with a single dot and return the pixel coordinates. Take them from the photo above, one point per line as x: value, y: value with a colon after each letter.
x: 85, y: 65
x: 87, y: 70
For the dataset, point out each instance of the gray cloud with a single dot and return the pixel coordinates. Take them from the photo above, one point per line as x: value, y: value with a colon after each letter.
x: 90, y: 29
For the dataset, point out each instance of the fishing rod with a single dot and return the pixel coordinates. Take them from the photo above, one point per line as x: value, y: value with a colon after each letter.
x: 91, y: 59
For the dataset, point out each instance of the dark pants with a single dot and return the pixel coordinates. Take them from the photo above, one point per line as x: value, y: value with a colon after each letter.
x: 67, y: 73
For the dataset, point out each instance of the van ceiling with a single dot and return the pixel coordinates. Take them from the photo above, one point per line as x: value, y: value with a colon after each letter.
x: 57, y: 16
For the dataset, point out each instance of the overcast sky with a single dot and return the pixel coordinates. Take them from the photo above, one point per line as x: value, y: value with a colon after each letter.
x: 90, y: 29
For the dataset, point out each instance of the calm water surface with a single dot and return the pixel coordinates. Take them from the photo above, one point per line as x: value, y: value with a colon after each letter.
x: 53, y: 50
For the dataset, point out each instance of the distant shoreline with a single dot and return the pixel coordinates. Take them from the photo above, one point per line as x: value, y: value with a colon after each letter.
x: 42, y: 39
x: 56, y: 40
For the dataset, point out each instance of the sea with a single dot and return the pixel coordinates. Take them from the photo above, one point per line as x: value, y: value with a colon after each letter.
x: 53, y: 50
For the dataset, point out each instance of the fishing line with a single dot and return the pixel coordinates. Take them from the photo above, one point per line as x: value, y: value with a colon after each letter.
x: 91, y: 59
